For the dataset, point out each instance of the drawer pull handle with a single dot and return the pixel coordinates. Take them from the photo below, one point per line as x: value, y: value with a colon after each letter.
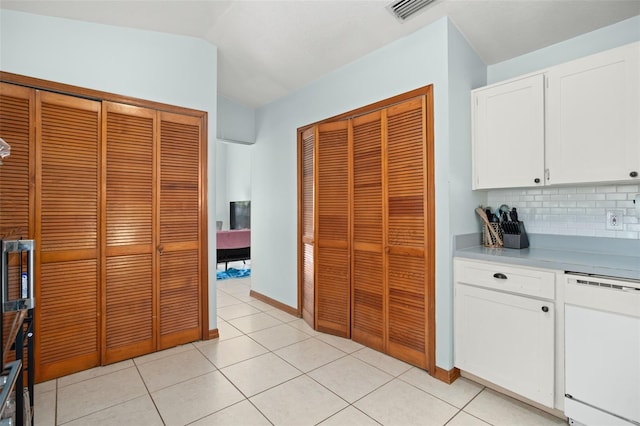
x: 545, y: 309
x: 500, y: 276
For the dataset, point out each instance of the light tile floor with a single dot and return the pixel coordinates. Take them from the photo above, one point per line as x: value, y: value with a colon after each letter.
x: 267, y: 368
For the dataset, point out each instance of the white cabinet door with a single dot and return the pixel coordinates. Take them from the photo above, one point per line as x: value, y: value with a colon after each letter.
x: 508, y: 134
x: 593, y: 118
x: 507, y: 340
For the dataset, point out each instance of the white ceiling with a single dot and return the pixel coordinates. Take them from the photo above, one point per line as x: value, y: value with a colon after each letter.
x: 267, y: 49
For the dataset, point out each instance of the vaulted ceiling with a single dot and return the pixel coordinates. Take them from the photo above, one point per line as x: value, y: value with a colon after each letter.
x: 268, y: 48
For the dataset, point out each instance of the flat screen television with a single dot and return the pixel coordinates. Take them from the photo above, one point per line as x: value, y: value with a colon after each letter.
x: 240, y: 214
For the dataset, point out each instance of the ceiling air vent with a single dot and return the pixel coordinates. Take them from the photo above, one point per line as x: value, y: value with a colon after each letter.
x: 403, y: 9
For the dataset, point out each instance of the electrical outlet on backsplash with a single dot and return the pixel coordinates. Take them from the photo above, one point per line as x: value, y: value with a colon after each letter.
x: 573, y: 210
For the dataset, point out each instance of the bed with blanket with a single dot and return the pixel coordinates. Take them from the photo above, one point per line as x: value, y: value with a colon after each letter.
x: 233, y: 245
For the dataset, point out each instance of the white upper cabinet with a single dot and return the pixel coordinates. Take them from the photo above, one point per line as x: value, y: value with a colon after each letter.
x: 593, y: 118
x: 574, y: 123
x: 508, y: 134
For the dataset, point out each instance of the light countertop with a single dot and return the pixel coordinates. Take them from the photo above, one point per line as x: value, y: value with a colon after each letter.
x: 600, y: 256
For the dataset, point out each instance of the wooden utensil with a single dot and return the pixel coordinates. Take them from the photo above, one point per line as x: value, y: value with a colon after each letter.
x: 484, y: 217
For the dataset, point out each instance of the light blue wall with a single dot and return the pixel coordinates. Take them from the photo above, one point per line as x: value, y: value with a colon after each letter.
x: 233, y: 177
x: 160, y: 67
x: 596, y: 41
x: 236, y: 133
x: 222, y: 208
x: 239, y: 172
x: 236, y: 122
x: 414, y: 61
x: 466, y: 72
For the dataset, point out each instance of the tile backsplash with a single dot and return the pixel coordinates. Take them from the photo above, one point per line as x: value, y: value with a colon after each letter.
x: 573, y: 210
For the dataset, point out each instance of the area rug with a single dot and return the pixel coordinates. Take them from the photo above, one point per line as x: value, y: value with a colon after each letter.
x: 233, y: 273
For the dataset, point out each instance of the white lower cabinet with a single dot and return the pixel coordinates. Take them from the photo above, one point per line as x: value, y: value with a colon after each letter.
x: 502, y: 334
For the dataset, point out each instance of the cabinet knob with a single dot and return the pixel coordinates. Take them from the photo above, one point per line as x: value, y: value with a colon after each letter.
x: 537, y: 180
x: 545, y: 309
x: 633, y: 174
x: 500, y: 276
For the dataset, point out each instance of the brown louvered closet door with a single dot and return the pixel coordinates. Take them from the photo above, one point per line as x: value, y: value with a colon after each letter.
x: 128, y: 291
x: 67, y: 229
x: 406, y: 236
x: 114, y: 196
x: 332, y: 265
x: 307, y: 161
x: 374, y: 216
x: 180, y: 222
x: 368, y: 280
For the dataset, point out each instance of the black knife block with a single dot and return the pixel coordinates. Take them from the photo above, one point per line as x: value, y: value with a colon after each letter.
x: 516, y: 241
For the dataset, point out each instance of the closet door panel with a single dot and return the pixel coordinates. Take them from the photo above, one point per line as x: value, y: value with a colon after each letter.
x: 69, y: 175
x: 179, y: 299
x: 308, y: 301
x: 368, y: 281
x: 16, y: 179
x: 180, y: 228
x: 368, y: 322
x: 129, y: 241
x: 308, y: 229
x: 67, y: 229
x: 406, y: 210
x: 67, y: 333
x: 129, y: 307
x: 332, y: 276
x: 407, y: 317
x: 332, y: 245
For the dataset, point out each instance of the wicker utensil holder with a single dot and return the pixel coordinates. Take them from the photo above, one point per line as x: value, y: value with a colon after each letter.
x: 488, y: 238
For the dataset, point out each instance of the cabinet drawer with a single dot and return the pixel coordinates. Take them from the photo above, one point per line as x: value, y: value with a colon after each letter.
x: 513, y: 279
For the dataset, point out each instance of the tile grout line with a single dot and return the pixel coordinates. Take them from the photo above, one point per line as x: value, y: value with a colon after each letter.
x: 306, y: 374
x: 153, y: 401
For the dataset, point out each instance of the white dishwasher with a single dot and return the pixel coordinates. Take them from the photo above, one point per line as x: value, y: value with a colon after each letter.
x: 602, y: 350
